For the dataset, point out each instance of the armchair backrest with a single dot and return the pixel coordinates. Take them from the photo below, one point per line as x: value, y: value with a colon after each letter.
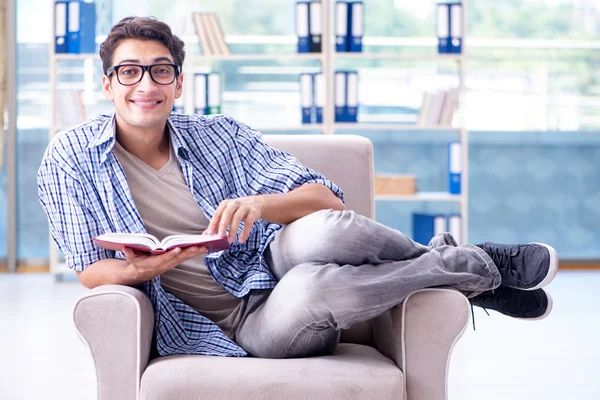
x: 347, y: 160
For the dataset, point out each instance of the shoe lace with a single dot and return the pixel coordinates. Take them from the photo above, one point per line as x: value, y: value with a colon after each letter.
x: 490, y: 296
x: 503, y: 260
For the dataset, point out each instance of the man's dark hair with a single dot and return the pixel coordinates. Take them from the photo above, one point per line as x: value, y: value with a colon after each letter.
x: 144, y: 28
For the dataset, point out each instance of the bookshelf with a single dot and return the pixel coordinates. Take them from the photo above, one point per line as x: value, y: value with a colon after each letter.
x: 327, y: 61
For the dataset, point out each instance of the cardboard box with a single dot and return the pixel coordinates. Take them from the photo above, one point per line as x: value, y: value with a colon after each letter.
x: 395, y: 184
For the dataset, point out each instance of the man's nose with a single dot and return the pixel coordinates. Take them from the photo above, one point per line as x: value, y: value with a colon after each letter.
x: 147, y: 84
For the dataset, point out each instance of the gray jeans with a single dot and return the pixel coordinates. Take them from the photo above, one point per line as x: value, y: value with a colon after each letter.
x: 337, y: 268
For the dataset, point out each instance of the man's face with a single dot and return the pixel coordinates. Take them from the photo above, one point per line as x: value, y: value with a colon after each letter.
x: 145, y: 105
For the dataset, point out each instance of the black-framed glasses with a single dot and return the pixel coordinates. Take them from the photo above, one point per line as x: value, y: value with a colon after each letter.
x: 131, y: 74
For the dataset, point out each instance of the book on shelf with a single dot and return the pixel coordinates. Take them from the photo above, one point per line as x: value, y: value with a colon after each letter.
x: 69, y: 106
x: 210, y: 34
x: 438, y: 107
x: 147, y: 243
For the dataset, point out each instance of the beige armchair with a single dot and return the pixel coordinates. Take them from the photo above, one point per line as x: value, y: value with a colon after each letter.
x: 403, y: 354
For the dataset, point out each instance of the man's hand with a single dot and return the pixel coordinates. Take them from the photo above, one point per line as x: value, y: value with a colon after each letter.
x: 231, y: 213
x: 144, y: 267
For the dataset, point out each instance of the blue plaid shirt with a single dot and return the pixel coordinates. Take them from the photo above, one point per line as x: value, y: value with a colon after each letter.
x: 83, y: 190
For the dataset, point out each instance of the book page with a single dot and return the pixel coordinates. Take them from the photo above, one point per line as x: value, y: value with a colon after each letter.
x: 178, y: 240
x: 142, y: 239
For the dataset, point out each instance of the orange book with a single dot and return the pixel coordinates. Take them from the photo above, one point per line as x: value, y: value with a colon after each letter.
x: 150, y: 244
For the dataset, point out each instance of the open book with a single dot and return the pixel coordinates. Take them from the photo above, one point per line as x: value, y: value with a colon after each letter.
x: 150, y: 244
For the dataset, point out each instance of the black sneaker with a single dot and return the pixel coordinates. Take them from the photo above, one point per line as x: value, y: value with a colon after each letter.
x: 523, y: 266
x: 530, y: 305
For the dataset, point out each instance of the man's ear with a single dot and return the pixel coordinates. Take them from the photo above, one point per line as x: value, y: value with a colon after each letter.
x: 107, y: 88
x: 179, y: 86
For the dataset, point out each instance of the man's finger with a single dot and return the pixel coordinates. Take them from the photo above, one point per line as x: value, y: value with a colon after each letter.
x: 226, y: 219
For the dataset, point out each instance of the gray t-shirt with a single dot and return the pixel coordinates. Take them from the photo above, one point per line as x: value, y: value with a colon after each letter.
x: 167, y: 208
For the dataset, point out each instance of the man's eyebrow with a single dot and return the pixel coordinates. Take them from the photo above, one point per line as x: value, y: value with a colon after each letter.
x: 133, y: 60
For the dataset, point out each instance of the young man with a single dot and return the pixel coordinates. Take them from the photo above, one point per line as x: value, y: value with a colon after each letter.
x: 283, y: 289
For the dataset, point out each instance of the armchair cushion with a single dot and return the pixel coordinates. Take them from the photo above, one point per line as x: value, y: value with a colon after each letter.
x: 353, y: 372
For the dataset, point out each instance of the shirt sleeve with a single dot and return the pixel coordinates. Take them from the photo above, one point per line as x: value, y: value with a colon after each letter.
x: 72, y: 224
x: 270, y: 170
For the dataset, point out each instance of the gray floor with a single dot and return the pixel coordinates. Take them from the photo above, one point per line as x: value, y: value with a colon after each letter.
x: 41, y: 357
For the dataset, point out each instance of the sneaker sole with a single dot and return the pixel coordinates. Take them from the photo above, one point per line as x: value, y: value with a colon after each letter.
x: 548, y: 309
x: 552, y: 270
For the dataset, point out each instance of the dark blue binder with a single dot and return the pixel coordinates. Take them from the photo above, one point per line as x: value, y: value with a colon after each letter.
x: 306, y: 97
x: 60, y: 26
x: 341, y: 89
x: 443, y: 27
x: 341, y: 26
x: 456, y: 21
x: 351, y: 96
x: 319, y: 96
x: 302, y: 29
x: 356, y: 10
x: 81, y: 27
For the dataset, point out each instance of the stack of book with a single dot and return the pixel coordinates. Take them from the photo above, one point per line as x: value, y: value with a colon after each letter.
x: 210, y: 34
x: 437, y: 108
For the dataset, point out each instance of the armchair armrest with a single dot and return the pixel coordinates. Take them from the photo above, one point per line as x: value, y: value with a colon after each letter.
x: 419, y: 336
x: 116, y: 323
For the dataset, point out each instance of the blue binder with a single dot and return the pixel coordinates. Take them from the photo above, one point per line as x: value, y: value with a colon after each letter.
x: 443, y: 28
x: 456, y: 21
x: 351, y: 96
x: 341, y: 113
x: 302, y: 30
x: 341, y: 26
x: 454, y: 167
x: 200, y: 93
x: 306, y: 97
x: 81, y: 27
x: 319, y: 96
x: 314, y: 26
x: 426, y: 226
x: 60, y: 26
x: 356, y: 10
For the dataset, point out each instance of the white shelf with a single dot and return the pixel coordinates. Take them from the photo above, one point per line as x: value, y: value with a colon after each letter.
x: 422, y: 196
x: 396, y: 56
x: 391, y: 126
x: 250, y: 57
x: 68, y: 56
x: 303, y: 127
